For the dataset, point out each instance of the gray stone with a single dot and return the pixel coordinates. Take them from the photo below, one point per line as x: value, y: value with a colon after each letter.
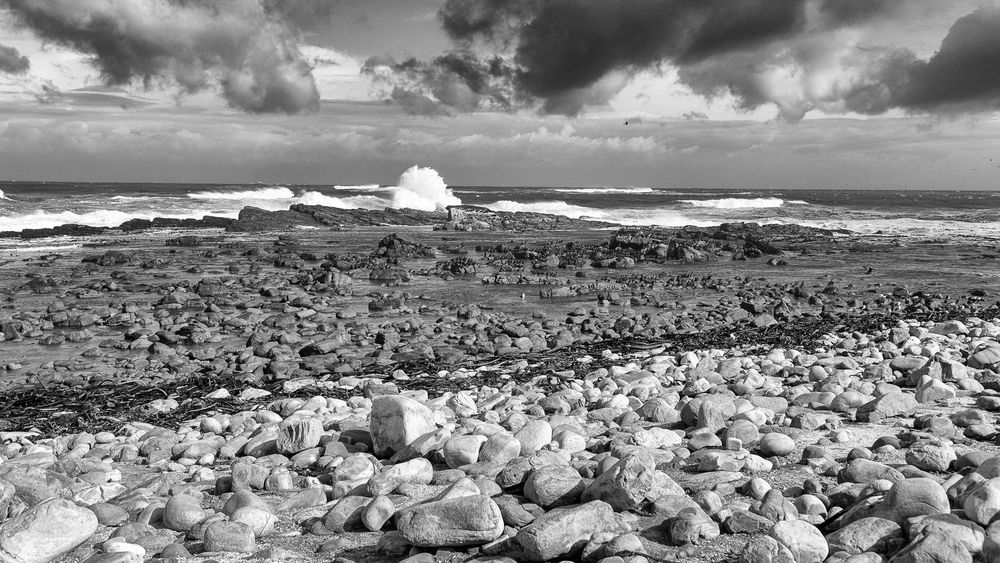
x: 895, y: 403
x: 418, y: 471
x: 562, y: 531
x: 299, y: 436
x: 913, y: 497
x: 867, y: 534
x: 233, y: 537
x: 46, y: 531
x: 554, y: 485
x: 931, y: 455
x: 776, y: 444
x: 396, y: 421
x: 692, y: 525
x: 182, y: 512
x: 933, y: 547
x: 629, y: 484
x: 803, y: 540
x: 471, y: 520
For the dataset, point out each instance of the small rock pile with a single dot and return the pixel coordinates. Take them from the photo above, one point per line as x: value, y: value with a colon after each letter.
x: 877, y: 447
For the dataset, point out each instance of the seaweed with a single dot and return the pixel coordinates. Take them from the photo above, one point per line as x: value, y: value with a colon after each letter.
x: 107, y: 404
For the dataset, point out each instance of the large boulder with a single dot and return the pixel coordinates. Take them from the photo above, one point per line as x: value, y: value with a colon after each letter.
x: 462, y: 521
x: 46, y: 531
x: 564, y: 531
x: 631, y: 483
x: 894, y: 403
x: 396, y: 421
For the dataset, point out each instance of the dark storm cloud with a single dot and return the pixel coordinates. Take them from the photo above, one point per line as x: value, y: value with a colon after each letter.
x: 565, y: 54
x: 562, y: 55
x: 458, y: 80
x: 12, y: 62
x: 962, y: 76
x: 305, y: 15
x: 855, y: 11
x: 572, y: 44
x: 250, y: 54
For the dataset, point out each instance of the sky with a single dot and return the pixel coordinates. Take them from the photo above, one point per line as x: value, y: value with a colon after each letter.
x: 886, y: 94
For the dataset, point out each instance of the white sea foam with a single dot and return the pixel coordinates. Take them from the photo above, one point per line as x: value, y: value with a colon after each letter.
x: 621, y: 216
x: 364, y: 188
x: 423, y: 189
x: 910, y: 228
x: 4, y: 196
x: 637, y: 190
x: 738, y: 203
x: 550, y: 207
x: 43, y: 248
x: 354, y: 202
x: 261, y: 194
x: 101, y: 218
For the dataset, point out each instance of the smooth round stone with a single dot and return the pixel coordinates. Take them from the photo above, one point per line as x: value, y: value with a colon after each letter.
x: 109, y: 514
x: 175, y: 551
x: 260, y: 521
x: 803, y: 540
x: 500, y: 448
x: 569, y: 441
x: 182, y: 512
x: 379, y: 511
x: 776, y: 444
x: 909, y: 498
x: 983, y: 504
x: 757, y: 487
x: 104, y: 438
x: 463, y: 450
x: 234, y: 537
x: 931, y: 455
x: 533, y: 436
x: 125, y: 547
x: 46, y: 531
x: 554, y: 485
x: 243, y: 498
x: 743, y: 430
x: 703, y: 438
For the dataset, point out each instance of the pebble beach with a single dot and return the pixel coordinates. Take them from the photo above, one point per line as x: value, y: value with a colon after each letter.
x: 738, y: 393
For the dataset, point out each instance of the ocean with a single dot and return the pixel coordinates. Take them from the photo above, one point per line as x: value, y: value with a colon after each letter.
x: 900, y: 213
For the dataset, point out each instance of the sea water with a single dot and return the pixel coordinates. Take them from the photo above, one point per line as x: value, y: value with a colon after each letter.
x: 903, y: 213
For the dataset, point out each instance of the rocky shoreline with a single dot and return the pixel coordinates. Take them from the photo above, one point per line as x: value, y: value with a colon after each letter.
x: 496, y: 393
x: 298, y: 216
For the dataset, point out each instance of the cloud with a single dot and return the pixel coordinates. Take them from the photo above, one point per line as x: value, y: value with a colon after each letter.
x: 12, y: 62
x: 563, y: 56
x: 964, y: 74
x: 305, y: 15
x: 237, y: 46
x: 459, y: 80
x: 855, y: 11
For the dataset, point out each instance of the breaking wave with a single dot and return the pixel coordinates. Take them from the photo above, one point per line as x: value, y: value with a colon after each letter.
x: 262, y: 194
x: 101, y: 218
x: 423, y: 189
x: 741, y: 203
x: 620, y: 216
x: 605, y: 190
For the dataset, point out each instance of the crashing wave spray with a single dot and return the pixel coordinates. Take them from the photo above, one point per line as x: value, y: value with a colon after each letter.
x: 423, y: 189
